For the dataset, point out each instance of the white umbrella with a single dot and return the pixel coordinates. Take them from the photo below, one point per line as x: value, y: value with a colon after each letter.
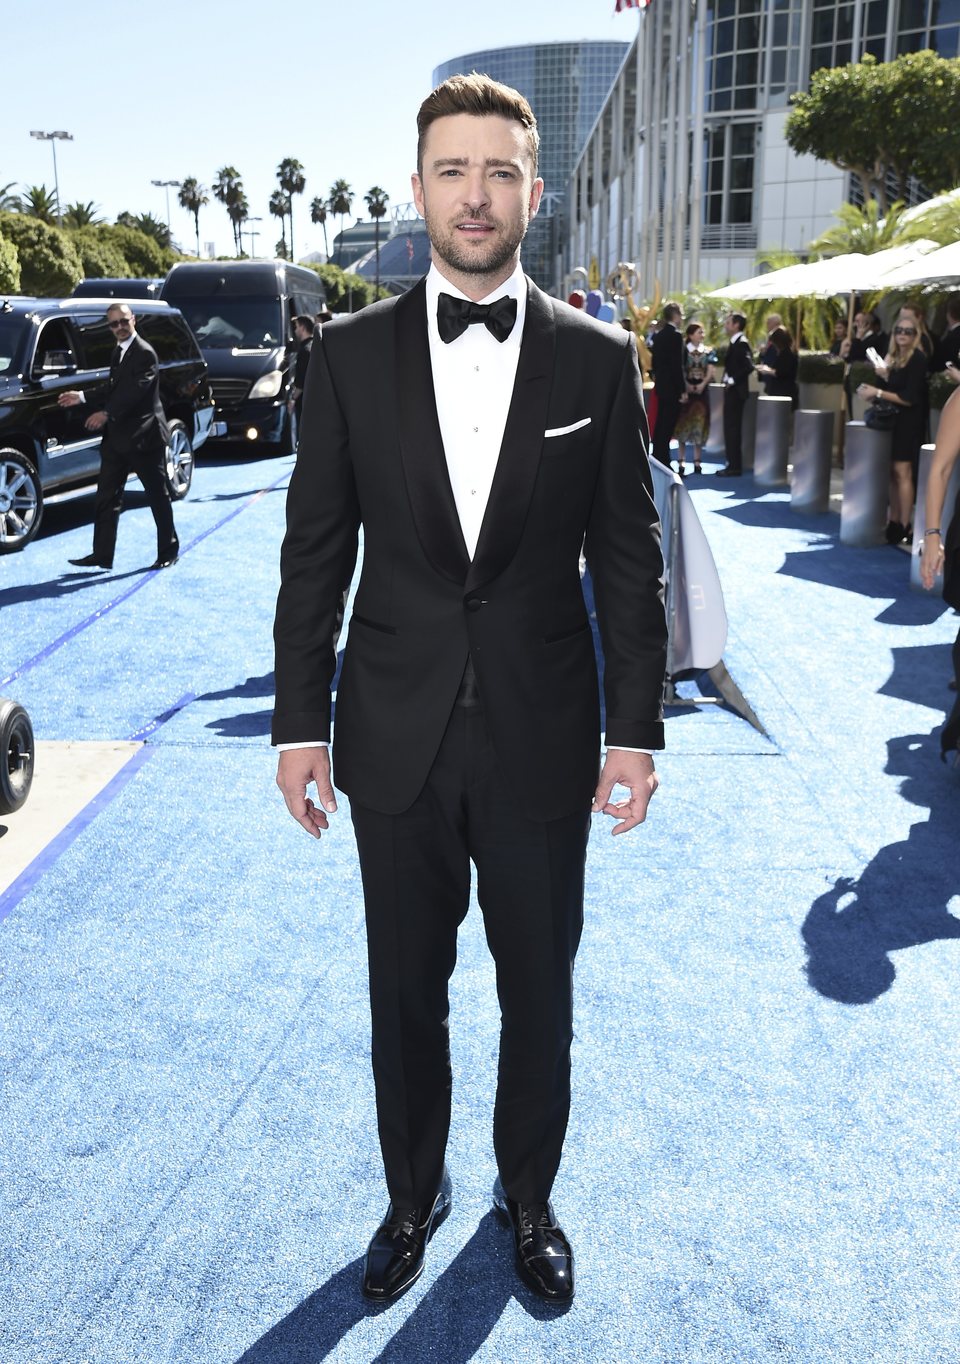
x: 939, y: 267
x: 852, y: 273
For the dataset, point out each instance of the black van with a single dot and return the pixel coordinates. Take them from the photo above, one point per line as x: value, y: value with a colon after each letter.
x: 125, y: 289
x: 48, y: 346
x: 240, y: 312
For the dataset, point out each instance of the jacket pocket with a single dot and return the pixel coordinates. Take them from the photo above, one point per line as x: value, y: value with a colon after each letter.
x: 372, y: 624
x: 566, y: 634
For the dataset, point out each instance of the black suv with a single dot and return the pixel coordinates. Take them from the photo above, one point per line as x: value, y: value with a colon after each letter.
x: 48, y: 346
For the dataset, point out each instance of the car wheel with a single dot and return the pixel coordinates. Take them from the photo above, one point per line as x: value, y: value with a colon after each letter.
x: 179, y: 461
x: 16, y: 756
x: 21, y: 501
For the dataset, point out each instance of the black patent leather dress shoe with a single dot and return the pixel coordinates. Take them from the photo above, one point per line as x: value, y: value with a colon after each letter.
x: 728, y: 473
x: 544, y: 1256
x: 396, y: 1255
x: 163, y: 563
x: 88, y: 561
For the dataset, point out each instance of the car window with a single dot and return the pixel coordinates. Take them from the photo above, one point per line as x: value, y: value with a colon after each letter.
x: 54, y: 348
x: 169, y: 336
x: 95, y: 341
x: 12, y: 332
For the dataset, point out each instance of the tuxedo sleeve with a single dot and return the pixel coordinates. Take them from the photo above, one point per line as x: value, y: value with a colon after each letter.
x: 318, y: 551
x: 626, y: 567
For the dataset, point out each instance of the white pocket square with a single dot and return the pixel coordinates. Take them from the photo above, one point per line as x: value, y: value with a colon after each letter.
x: 565, y: 430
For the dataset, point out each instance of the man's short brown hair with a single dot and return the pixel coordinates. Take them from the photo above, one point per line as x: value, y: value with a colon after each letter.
x: 478, y: 95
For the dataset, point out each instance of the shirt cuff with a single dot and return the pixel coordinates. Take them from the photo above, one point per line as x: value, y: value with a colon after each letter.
x: 619, y: 748
x: 317, y: 743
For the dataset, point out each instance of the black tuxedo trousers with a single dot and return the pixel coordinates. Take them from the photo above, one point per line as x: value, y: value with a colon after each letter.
x: 416, y: 870
x: 115, y: 469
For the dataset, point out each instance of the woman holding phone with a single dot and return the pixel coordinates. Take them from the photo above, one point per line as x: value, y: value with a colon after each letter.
x: 903, y: 376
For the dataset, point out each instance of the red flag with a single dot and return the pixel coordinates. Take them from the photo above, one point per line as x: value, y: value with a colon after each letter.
x: 410, y: 249
x: 631, y: 4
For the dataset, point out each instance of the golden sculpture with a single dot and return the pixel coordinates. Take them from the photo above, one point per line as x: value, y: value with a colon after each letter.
x: 623, y: 282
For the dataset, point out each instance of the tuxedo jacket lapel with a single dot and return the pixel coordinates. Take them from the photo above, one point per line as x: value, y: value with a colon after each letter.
x: 421, y: 446
x: 519, y: 459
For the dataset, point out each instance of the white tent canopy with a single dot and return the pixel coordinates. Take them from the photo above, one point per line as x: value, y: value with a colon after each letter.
x: 836, y: 275
x: 939, y: 267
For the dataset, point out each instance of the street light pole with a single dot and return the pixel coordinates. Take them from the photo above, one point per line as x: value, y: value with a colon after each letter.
x: 251, y: 232
x: 53, y: 138
x: 165, y: 185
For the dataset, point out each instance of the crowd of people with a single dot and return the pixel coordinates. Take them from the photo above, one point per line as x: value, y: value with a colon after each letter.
x: 683, y: 365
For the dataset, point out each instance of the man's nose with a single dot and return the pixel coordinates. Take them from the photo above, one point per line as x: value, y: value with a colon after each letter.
x: 476, y: 192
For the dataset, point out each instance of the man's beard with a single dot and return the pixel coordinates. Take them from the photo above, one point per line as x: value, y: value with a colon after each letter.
x: 467, y: 259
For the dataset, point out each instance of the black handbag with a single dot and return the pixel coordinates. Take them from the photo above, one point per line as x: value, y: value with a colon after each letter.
x: 881, y: 414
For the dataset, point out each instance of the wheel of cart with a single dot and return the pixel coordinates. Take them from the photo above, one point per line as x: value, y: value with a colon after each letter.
x: 16, y: 756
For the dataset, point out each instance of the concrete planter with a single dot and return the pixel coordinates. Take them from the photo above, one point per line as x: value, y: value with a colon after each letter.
x: 825, y: 398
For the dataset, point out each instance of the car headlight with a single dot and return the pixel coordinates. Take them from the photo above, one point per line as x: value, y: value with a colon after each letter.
x: 268, y: 385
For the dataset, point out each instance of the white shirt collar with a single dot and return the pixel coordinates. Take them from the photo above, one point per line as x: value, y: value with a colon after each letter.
x: 125, y: 345
x: 514, y: 287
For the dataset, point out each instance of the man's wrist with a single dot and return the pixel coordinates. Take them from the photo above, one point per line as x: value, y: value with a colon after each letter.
x: 315, y: 743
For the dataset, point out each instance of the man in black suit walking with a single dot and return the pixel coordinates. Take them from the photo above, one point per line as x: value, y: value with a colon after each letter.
x: 483, y: 433
x: 669, y: 382
x: 135, y: 440
x: 737, y: 368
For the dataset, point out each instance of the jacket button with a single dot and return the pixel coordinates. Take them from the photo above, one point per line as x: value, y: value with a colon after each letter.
x: 474, y: 603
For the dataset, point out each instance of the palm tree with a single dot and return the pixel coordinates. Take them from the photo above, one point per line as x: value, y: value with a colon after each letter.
x: 228, y: 188
x: 9, y: 203
x: 81, y: 215
x: 238, y: 211
x: 318, y: 214
x: 278, y: 207
x: 193, y: 196
x: 340, y: 201
x: 292, y: 181
x: 38, y: 202
x: 861, y: 229
x: 376, y: 201
x: 152, y: 227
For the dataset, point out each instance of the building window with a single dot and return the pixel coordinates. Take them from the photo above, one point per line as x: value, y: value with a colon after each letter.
x: 733, y: 55
x: 730, y: 153
x: 831, y: 34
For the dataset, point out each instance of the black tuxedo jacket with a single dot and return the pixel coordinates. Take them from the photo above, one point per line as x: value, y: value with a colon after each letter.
x: 668, y: 362
x: 572, y: 465
x: 739, y: 362
x: 135, y: 420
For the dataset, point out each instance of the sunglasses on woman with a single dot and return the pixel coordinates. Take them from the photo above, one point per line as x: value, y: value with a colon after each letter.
x: 904, y: 331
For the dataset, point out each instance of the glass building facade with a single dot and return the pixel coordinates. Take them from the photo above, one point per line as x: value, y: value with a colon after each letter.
x: 566, y: 85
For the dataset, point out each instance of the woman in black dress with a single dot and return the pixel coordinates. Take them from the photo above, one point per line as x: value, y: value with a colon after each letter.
x: 938, y: 556
x: 779, y: 370
x: 903, y: 378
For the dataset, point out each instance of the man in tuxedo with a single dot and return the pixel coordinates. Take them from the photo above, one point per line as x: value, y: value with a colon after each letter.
x: 135, y: 440
x: 483, y: 433
x: 303, y: 329
x: 668, y: 382
x: 737, y: 368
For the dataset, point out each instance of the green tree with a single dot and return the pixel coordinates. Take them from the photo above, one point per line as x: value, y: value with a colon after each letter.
x: 318, y: 216
x: 228, y: 189
x: 278, y: 207
x: 292, y: 181
x: 238, y: 211
x: 148, y: 225
x: 38, y: 202
x: 49, y: 264
x: 878, y: 118
x: 100, y: 257
x: 376, y: 200
x: 193, y: 197
x: 346, y: 292
x: 9, y: 265
x: 145, y: 256
x: 81, y: 215
x: 9, y: 203
x: 340, y: 200
x: 864, y: 229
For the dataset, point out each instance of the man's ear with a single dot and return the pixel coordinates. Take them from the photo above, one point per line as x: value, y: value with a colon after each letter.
x: 536, y: 193
x: 416, y: 185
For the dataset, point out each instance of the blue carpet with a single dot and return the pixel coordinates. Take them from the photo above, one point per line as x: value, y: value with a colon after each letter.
x: 760, y: 1163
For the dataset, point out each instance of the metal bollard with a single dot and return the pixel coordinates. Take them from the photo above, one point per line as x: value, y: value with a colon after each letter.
x: 772, y: 441
x: 715, y: 444
x: 951, y: 507
x: 813, y: 439
x: 866, y: 485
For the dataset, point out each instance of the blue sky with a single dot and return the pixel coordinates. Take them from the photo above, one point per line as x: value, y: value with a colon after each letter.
x: 185, y: 86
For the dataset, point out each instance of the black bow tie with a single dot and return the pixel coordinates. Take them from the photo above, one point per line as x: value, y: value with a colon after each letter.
x: 454, y: 316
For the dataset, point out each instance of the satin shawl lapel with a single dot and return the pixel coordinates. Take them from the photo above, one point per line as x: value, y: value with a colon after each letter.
x: 519, y: 459
x: 421, y: 445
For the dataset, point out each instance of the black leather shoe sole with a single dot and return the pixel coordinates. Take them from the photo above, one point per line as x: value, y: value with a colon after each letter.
x: 162, y: 563
x: 88, y: 561
x: 438, y: 1215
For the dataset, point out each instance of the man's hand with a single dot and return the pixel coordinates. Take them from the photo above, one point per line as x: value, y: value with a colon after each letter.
x: 636, y: 772
x: 298, y: 767
x: 96, y: 421
x: 71, y: 398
